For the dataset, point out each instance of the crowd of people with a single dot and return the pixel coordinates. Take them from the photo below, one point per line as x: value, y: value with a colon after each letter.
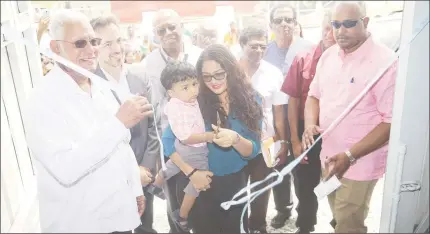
x: 98, y: 141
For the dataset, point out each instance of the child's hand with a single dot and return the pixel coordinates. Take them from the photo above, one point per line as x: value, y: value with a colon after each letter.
x: 145, y: 176
x: 209, y: 136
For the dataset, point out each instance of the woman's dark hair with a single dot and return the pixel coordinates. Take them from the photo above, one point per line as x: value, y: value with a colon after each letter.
x: 175, y: 72
x: 301, y: 30
x: 242, y: 96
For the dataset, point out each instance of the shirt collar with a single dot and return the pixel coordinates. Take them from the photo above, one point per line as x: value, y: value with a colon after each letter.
x: 360, y: 51
x: 317, y: 52
x: 110, y: 78
x: 67, y: 83
x: 178, y: 101
x: 181, y: 54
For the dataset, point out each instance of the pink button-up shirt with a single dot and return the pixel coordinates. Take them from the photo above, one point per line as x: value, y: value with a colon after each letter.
x: 338, y: 80
x: 185, y: 119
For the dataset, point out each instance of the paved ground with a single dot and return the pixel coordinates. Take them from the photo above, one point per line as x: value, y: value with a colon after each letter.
x: 324, y: 215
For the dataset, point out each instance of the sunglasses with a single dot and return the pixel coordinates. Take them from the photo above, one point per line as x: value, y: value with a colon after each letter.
x: 256, y: 46
x: 346, y: 23
x: 286, y: 19
x: 83, y: 43
x: 161, y: 31
x: 216, y: 76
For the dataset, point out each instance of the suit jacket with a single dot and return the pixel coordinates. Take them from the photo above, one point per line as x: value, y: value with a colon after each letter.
x: 144, y: 140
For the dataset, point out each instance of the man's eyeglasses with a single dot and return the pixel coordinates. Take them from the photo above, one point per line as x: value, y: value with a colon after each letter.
x: 83, y: 43
x: 161, y: 31
x: 286, y: 19
x: 216, y: 76
x: 256, y: 46
x: 346, y: 23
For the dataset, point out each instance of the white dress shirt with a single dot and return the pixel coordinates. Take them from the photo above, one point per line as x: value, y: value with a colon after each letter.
x: 87, y: 174
x: 267, y: 80
x: 120, y: 86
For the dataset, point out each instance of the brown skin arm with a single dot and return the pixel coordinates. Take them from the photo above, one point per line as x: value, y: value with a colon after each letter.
x: 376, y: 138
x: 293, y: 119
x: 312, y: 111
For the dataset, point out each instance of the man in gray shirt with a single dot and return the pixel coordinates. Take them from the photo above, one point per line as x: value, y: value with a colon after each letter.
x: 168, y: 31
x: 281, y: 53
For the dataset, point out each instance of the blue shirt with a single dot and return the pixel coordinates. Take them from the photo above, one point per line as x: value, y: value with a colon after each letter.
x: 283, y: 57
x: 222, y: 161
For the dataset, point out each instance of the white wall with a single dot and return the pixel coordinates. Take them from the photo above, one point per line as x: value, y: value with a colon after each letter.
x: 19, y: 71
x: 408, y: 157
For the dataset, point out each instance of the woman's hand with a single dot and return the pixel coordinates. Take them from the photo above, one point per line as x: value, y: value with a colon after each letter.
x: 201, y: 180
x: 225, y: 137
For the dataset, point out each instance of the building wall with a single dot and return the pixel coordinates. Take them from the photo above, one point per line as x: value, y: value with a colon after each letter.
x: 20, y: 70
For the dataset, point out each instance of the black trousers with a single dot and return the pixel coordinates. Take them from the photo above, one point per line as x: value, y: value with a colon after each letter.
x: 306, y: 178
x: 282, y: 194
x: 257, y: 170
x: 208, y: 215
x: 147, y: 218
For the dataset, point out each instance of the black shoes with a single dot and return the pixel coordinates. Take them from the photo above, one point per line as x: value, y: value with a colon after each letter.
x: 279, y: 220
x: 181, y: 222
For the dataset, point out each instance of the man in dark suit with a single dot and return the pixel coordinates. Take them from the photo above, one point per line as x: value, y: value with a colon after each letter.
x: 125, y: 82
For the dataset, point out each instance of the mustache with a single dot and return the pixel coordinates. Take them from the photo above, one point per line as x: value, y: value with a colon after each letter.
x: 342, y: 37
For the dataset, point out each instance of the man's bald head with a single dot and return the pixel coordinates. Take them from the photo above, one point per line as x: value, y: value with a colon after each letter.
x: 165, y: 15
x: 350, y: 24
x: 354, y: 7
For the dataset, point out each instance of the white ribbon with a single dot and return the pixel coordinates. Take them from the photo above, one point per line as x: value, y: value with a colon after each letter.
x: 286, y: 170
x: 278, y: 175
x: 34, y: 48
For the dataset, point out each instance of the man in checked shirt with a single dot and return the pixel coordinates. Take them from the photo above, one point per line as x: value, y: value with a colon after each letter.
x: 296, y: 85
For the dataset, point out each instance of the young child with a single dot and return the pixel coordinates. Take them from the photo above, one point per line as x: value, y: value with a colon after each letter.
x: 186, y: 121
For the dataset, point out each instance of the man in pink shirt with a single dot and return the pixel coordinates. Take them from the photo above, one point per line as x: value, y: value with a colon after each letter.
x: 356, y: 149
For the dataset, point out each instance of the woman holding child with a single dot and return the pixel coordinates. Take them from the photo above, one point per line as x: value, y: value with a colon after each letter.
x: 232, y: 119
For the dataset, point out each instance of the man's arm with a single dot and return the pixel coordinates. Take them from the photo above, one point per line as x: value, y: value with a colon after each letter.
x: 312, y: 111
x: 66, y: 159
x: 294, y: 90
x: 383, y: 91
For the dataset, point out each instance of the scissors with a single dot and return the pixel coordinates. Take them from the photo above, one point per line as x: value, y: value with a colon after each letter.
x: 218, y: 123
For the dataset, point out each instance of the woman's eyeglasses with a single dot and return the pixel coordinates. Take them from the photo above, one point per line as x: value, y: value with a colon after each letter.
x: 83, y: 43
x: 346, y: 23
x: 286, y: 19
x: 161, y: 31
x: 216, y: 76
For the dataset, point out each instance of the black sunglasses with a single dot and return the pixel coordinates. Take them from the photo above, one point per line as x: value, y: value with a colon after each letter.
x: 346, y: 23
x: 83, y: 43
x: 216, y: 76
x: 256, y: 46
x: 161, y: 31
x: 286, y: 19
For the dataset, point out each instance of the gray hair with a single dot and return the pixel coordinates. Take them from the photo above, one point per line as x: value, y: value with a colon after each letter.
x: 250, y: 32
x: 62, y: 17
x: 103, y: 21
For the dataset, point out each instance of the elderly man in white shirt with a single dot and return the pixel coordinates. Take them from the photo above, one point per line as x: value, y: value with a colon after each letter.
x: 88, y: 179
x: 266, y: 80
